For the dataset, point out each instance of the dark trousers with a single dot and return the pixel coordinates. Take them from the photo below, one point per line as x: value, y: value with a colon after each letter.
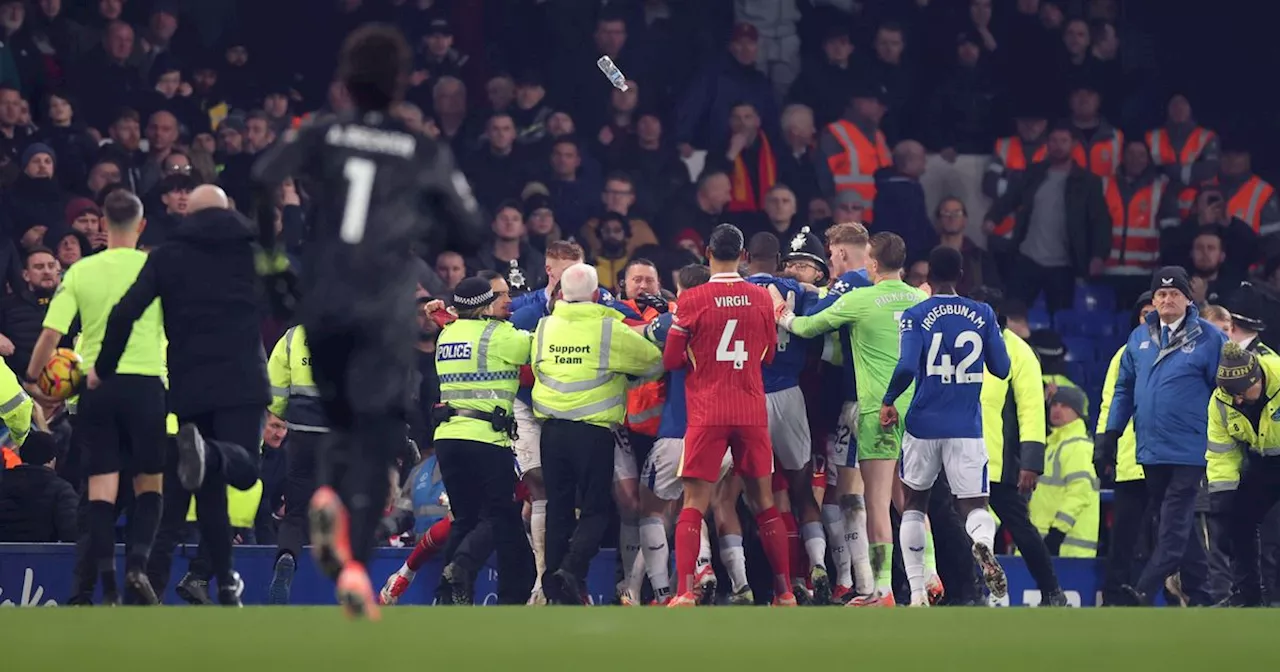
x: 1171, y: 493
x: 301, y: 450
x: 1259, y: 491
x: 1130, y: 540
x: 481, y: 481
x: 1057, y: 283
x: 952, y: 546
x: 1215, y: 539
x: 360, y: 367
x: 1011, y: 506
x: 577, y: 466
x: 470, y: 555
x: 232, y: 439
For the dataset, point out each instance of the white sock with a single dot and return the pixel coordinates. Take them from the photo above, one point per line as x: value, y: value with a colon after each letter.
x: 657, y: 555
x: 833, y: 520
x: 815, y: 544
x: 734, y: 559
x: 912, y: 535
x: 538, y: 537
x: 406, y: 572
x: 704, y: 548
x: 855, y: 535
x: 981, y: 528
x: 632, y: 560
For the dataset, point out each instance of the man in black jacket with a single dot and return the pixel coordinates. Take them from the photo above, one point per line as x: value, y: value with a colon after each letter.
x: 36, y: 505
x: 206, y: 281
x: 1062, y: 230
x: 22, y: 312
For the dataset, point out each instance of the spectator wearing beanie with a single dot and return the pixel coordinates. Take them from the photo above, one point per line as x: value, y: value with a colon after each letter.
x: 68, y: 245
x: 36, y: 200
x: 83, y: 215
x: 1169, y: 405
x: 36, y: 505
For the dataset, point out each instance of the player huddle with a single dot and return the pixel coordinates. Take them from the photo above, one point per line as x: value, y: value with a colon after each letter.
x: 735, y: 422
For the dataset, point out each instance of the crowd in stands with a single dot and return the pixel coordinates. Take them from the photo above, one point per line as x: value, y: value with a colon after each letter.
x: 775, y: 115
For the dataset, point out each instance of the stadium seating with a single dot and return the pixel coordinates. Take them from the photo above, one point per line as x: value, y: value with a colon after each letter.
x: 1095, y: 299
x: 1079, y: 349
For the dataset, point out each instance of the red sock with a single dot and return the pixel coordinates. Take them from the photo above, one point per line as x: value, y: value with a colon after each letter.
x: 688, y: 538
x: 794, y: 547
x: 430, y: 543
x: 773, y: 536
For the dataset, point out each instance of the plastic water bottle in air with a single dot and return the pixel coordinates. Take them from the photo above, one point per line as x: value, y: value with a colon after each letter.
x: 611, y: 71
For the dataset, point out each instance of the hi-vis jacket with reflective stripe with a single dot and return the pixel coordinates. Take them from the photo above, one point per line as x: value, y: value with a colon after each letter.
x: 15, y: 407
x: 1013, y: 414
x: 478, y: 362
x: 582, y: 355
x: 1127, y: 467
x: 294, y: 397
x: 1231, y: 433
x: 1066, y: 497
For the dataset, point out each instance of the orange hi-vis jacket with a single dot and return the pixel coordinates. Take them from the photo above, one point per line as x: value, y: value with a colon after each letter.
x: 1163, y: 153
x: 855, y: 168
x: 645, y: 401
x: 1102, y: 157
x: 1246, y: 204
x: 1013, y: 155
x: 1135, y: 227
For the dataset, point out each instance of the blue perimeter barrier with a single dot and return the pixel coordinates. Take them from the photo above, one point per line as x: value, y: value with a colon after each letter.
x: 41, y: 575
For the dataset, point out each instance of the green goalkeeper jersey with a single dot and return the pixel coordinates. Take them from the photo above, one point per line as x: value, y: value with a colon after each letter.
x: 872, y: 315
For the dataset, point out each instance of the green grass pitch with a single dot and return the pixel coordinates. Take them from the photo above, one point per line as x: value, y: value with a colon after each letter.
x: 649, y: 639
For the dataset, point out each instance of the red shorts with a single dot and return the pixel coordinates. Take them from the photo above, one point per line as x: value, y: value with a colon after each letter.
x: 704, y: 451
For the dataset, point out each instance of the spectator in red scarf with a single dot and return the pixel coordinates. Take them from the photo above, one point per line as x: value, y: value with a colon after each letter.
x: 748, y: 158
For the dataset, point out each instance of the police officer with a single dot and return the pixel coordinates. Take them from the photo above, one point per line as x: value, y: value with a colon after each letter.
x: 583, y: 354
x: 1247, y: 307
x: 478, y: 360
x: 1013, y: 427
x: 1243, y: 468
x: 295, y: 399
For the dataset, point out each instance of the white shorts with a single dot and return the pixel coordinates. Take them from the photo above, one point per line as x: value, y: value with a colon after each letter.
x: 659, y: 473
x: 842, y: 449
x: 965, y: 462
x: 528, y: 444
x: 624, y: 460
x: 789, y: 428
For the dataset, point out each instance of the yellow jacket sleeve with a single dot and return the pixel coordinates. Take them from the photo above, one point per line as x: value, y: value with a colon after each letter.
x: 1109, y: 390
x: 1076, y: 455
x: 15, y: 406
x: 1224, y: 456
x: 633, y: 354
x: 513, y: 345
x: 1028, y: 397
x: 278, y: 375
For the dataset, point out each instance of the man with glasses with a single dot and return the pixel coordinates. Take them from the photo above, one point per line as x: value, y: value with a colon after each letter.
x: 951, y: 220
x: 619, y: 196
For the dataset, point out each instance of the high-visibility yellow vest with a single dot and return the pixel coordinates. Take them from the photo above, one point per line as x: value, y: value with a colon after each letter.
x: 1066, y: 497
x: 1127, y: 467
x: 478, y: 363
x: 1024, y: 389
x: 582, y: 355
x: 1231, y: 433
x: 294, y: 396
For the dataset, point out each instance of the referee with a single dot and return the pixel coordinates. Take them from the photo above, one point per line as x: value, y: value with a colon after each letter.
x: 478, y: 361
x: 122, y: 420
x: 207, y: 284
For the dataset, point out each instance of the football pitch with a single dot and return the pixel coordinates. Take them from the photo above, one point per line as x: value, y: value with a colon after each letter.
x: 611, y: 638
